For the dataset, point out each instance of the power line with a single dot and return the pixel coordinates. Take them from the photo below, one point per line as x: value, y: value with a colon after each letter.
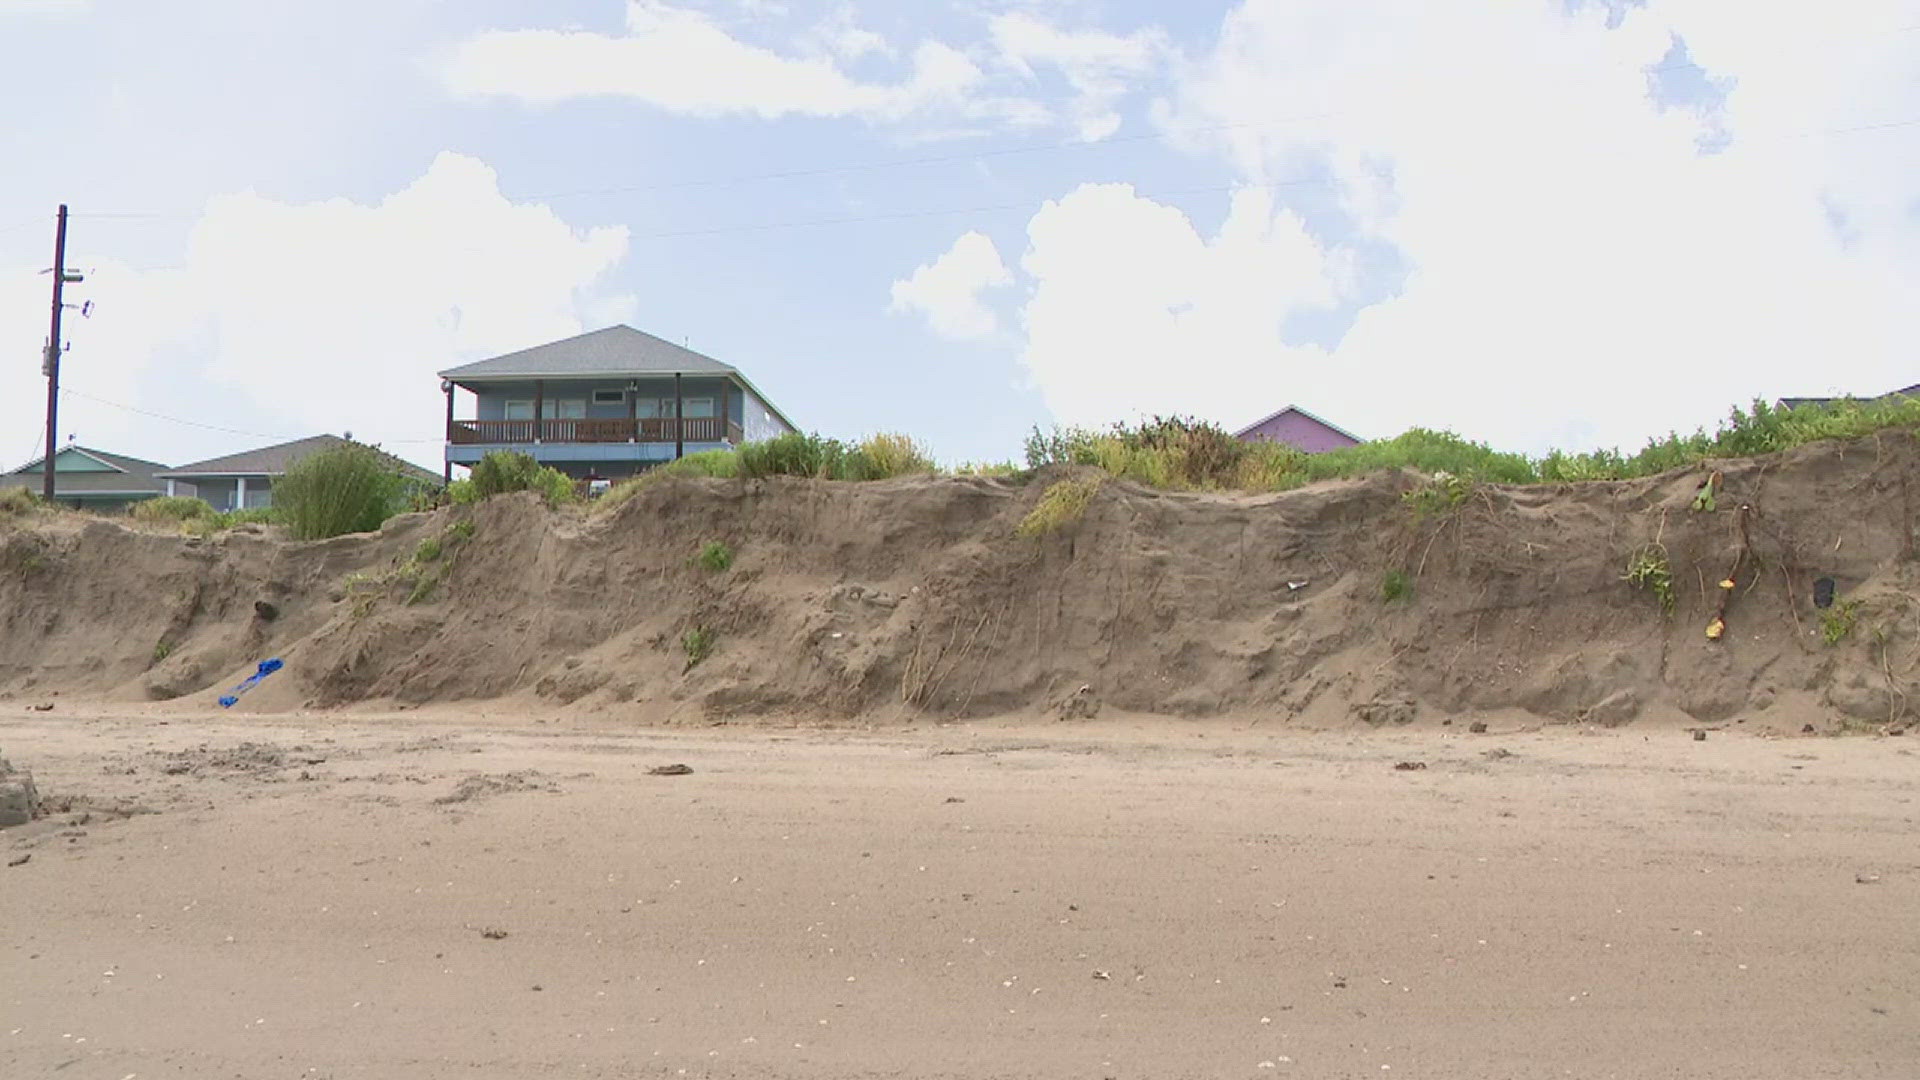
x: 173, y: 419
x: 213, y: 427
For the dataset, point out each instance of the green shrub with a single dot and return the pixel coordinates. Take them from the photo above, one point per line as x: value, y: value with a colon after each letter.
x: 462, y: 492
x: 697, y: 642
x: 162, y: 649
x: 1428, y: 452
x: 259, y: 515
x: 1442, y: 493
x: 428, y: 551
x: 461, y: 530
x: 1648, y: 569
x: 502, y: 471
x: 342, y: 489
x: 1171, y: 452
x: 1061, y: 446
x: 812, y: 456
x: 1396, y: 585
x: 714, y: 558
x: 1836, y: 622
x: 884, y: 456
x: 172, y: 510
x: 1062, y: 504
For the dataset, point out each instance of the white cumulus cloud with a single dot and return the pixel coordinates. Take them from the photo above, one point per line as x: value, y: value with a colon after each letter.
x: 948, y: 290
x: 1100, y: 67
x: 684, y: 61
x: 1577, y: 270
x: 1135, y: 312
x: 326, y: 316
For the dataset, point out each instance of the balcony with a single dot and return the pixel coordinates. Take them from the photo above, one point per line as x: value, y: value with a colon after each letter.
x: 703, y: 429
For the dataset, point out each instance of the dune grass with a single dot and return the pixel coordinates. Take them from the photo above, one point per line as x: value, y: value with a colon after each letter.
x: 1181, y: 453
x: 1184, y: 454
x: 17, y: 500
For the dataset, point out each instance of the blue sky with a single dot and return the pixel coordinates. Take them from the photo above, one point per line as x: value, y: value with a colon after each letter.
x: 1552, y: 223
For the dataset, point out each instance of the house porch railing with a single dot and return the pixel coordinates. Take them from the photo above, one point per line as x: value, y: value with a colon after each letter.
x: 703, y: 429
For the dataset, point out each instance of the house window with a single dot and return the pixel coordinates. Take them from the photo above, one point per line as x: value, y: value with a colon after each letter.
x: 694, y: 408
x: 555, y: 408
x: 609, y: 397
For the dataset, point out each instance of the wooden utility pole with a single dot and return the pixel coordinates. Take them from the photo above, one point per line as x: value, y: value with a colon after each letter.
x: 53, y: 351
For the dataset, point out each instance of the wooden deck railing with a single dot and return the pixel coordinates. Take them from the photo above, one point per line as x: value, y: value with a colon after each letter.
x: 703, y: 429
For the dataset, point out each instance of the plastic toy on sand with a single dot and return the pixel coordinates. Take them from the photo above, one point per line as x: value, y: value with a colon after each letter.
x: 267, y: 667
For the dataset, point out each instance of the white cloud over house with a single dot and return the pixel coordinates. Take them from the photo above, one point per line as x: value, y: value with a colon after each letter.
x: 323, y: 316
x: 1577, y: 269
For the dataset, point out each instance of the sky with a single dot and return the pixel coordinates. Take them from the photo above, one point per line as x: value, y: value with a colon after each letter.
x: 1537, y: 223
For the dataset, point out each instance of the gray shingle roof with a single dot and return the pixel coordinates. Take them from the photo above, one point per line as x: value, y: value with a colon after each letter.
x: 1796, y: 402
x: 616, y: 350
x: 273, y: 461
x: 612, y: 352
x: 125, y: 464
x: 135, y: 476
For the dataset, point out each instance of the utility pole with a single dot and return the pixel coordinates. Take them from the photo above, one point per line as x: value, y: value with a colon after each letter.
x: 52, y: 365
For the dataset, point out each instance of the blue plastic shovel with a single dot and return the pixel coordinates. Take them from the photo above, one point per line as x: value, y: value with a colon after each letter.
x: 267, y: 667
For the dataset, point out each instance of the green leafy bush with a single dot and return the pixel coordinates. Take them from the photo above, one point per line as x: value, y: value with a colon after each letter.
x: 884, y: 456
x: 172, y: 510
x: 502, y: 471
x: 259, y: 515
x: 1836, y: 622
x: 1650, y: 570
x: 342, y: 489
x: 1424, y: 451
x: 714, y: 558
x: 794, y: 454
x: 1061, y: 446
x: 1172, y: 452
x: 1396, y: 585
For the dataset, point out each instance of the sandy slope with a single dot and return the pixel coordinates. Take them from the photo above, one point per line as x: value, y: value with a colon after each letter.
x: 310, y: 895
x: 914, y: 598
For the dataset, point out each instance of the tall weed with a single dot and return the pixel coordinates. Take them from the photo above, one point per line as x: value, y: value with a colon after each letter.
x: 811, y: 456
x: 342, y: 489
x: 502, y: 471
x: 886, y: 455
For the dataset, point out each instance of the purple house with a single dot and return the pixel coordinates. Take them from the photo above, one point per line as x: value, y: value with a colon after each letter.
x: 1301, y: 430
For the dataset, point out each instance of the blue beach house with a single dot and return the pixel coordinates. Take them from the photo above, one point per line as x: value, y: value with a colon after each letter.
x: 607, y: 404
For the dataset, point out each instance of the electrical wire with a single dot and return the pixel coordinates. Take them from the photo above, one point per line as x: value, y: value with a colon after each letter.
x: 64, y: 390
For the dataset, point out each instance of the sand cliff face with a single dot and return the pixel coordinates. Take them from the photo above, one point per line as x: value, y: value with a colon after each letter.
x: 914, y: 598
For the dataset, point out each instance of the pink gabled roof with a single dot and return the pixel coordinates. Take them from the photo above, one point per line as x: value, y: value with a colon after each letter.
x: 1271, y: 417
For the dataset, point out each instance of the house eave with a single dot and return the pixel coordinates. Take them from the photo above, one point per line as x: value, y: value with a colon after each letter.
x: 1278, y: 413
x: 465, y: 381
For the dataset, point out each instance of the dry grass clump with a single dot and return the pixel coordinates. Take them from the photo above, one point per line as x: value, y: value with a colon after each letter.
x: 1063, y: 504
